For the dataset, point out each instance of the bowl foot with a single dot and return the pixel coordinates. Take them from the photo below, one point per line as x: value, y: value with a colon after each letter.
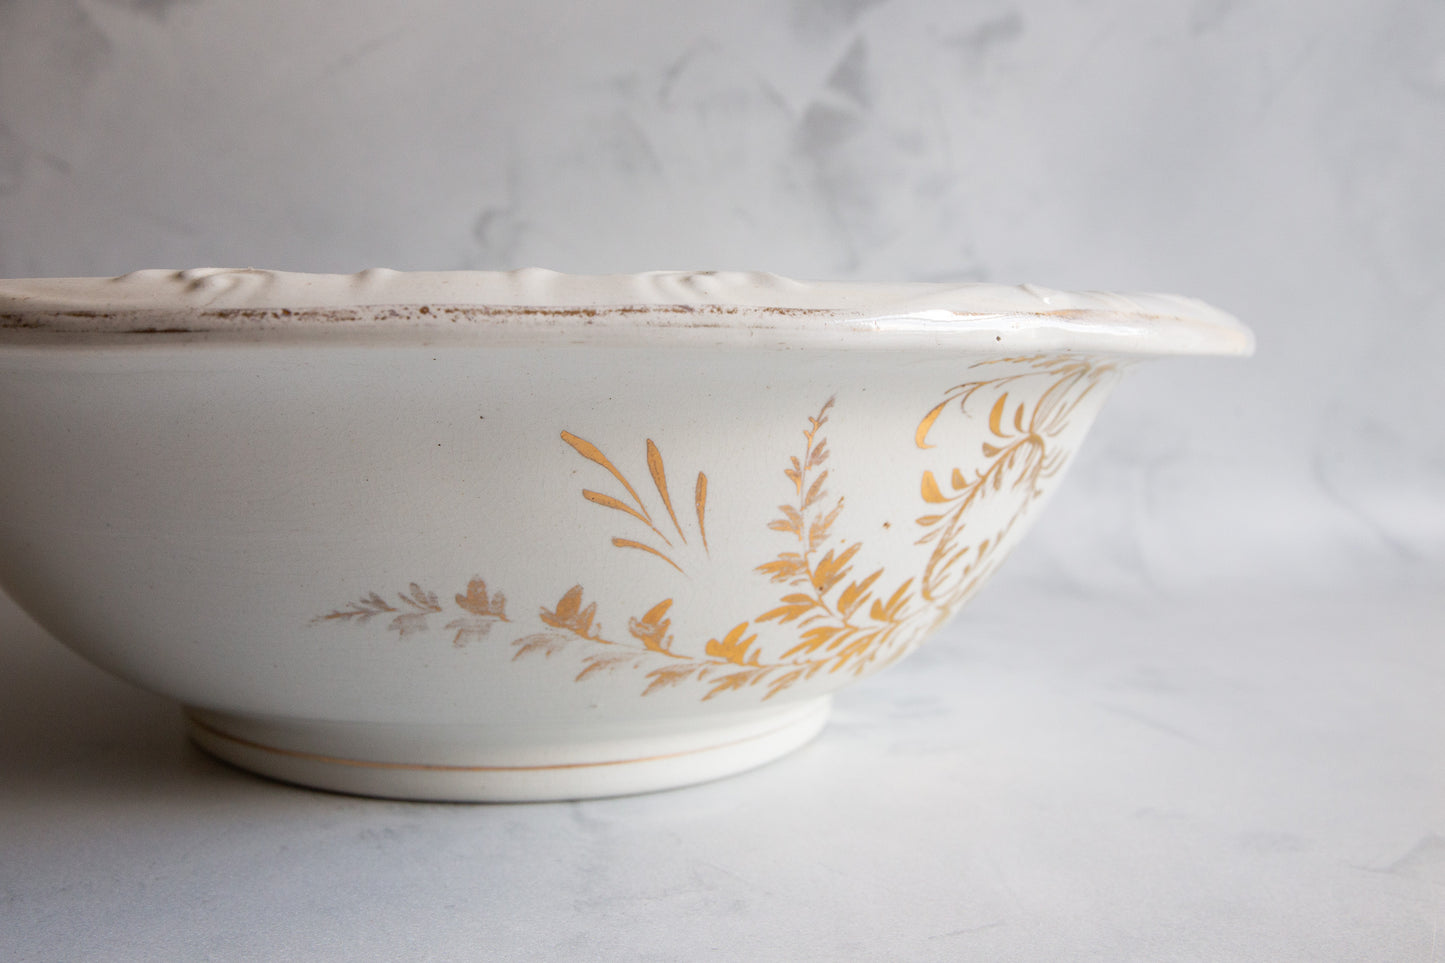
x: 469, y: 764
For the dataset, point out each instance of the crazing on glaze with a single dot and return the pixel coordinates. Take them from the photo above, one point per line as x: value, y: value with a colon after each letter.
x: 830, y: 616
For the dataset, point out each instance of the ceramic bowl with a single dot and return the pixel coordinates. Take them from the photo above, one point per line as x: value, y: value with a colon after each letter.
x: 484, y: 536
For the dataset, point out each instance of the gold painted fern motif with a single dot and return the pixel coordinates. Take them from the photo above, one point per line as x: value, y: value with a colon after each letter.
x: 1020, y: 453
x: 834, y: 630
x: 836, y: 622
x: 637, y: 508
x: 479, y: 612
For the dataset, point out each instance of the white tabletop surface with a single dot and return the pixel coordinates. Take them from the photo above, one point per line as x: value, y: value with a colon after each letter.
x: 1239, y: 775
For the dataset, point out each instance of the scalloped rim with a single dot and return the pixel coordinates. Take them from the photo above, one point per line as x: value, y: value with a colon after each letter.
x: 535, y: 305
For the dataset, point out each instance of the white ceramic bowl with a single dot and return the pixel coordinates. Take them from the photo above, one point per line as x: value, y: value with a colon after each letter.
x: 530, y: 536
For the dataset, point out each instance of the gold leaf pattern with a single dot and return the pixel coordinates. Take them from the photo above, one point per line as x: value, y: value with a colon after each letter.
x: 638, y: 510
x: 482, y: 611
x: 1021, y: 458
x: 734, y: 648
x: 699, y: 496
x: 570, y: 615
x: 477, y: 602
x: 651, y: 629
x: 835, y: 621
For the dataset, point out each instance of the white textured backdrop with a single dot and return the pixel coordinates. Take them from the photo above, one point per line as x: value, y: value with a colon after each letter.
x: 1283, y: 160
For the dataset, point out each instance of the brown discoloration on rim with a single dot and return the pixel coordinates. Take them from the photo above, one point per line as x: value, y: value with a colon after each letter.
x: 1106, y: 330
x: 215, y: 306
x: 404, y: 312
x: 242, y: 319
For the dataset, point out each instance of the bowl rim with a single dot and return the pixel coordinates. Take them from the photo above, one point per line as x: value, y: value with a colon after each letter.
x: 538, y: 306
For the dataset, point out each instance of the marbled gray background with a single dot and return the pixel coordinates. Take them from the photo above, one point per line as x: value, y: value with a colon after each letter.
x: 1239, y: 758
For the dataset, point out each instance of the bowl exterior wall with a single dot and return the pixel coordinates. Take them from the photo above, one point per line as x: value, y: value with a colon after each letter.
x: 532, y: 539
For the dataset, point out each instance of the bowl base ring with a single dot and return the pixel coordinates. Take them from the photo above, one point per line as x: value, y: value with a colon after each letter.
x: 409, y: 762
